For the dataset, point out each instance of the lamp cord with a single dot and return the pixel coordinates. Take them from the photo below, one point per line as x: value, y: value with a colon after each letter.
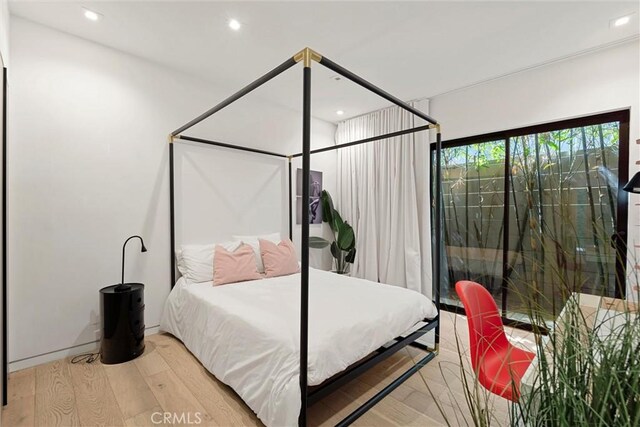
x: 86, y: 358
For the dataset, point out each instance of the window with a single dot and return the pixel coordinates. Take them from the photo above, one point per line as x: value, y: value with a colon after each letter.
x: 532, y: 212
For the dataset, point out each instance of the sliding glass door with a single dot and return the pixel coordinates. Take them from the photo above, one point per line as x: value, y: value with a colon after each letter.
x: 535, y: 214
x: 473, y: 193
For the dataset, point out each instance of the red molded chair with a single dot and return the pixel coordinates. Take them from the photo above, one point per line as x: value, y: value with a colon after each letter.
x: 498, y: 364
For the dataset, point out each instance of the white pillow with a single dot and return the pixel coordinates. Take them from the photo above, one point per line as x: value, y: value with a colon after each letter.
x: 180, y: 263
x: 197, y: 260
x: 253, y: 242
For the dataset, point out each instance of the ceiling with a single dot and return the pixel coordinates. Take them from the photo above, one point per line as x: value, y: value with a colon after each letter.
x: 411, y: 49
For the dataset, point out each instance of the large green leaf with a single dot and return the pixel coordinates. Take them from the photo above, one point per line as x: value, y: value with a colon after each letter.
x: 346, y: 238
x: 327, y: 209
x: 351, y: 256
x: 335, y: 251
x: 337, y: 222
x: 318, y: 242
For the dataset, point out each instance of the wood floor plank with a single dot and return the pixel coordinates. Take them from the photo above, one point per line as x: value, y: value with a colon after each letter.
x: 175, y: 398
x: 320, y: 415
x: 218, y: 399
x: 145, y: 419
x: 374, y: 418
x: 151, y: 363
x: 390, y: 407
x: 441, y: 374
x: 390, y: 369
x: 20, y: 412
x: 425, y: 404
x: 341, y: 406
x: 21, y: 383
x: 95, y: 401
x: 55, y: 403
x: 130, y: 389
x: 159, y: 337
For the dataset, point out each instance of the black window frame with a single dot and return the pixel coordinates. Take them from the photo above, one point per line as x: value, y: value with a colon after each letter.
x: 622, y: 215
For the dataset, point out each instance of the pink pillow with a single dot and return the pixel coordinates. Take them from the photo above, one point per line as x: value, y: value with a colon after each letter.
x: 236, y: 266
x: 280, y: 259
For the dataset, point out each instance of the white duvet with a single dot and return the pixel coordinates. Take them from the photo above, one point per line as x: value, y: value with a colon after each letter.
x: 247, y: 334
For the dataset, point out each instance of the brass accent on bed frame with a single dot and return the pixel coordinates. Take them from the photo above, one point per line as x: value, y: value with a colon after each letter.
x: 435, y: 349
x: 307, y: 55
x: 173, y: 138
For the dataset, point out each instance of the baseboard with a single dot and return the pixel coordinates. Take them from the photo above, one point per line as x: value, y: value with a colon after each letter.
x: 90, y: 347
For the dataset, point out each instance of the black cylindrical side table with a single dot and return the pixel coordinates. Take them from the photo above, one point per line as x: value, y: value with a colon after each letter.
x: 122, y: 323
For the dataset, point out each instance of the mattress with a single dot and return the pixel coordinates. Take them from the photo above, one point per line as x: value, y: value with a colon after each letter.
x: 247, y: 334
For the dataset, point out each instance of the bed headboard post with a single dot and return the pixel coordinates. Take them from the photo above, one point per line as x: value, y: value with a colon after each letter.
x: 304, y: 245
x: 437, y: 268
x: 290, y: 201
x: 172, y: 218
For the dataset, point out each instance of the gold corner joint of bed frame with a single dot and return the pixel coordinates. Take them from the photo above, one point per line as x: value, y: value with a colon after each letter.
x: 436, y: 127
x: 435, y: 349
x: 307, y: 55
x: 173, y: 138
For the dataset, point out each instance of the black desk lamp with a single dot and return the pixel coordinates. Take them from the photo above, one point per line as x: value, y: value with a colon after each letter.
x: 633, y: 186
x: 122, y: 287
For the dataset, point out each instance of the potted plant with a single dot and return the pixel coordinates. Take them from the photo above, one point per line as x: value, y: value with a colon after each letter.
x: 343, y: 247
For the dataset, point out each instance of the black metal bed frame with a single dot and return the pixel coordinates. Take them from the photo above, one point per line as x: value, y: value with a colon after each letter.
x: 310, y: 395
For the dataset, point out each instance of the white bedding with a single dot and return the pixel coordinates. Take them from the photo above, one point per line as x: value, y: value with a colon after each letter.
x: 247, y: 334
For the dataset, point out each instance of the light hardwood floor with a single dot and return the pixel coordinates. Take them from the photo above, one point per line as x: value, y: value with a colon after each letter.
x: 167, y: 378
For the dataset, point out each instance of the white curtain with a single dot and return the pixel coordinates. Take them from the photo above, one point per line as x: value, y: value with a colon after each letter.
x: 383, y: 192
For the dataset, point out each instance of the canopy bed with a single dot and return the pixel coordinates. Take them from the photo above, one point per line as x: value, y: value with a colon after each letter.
x: 339, y: 350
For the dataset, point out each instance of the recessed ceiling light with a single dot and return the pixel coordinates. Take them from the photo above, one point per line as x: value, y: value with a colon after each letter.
x: 339, y: 112
x: 234, y: 24
x: 622, y: 21
x: 91, y: 15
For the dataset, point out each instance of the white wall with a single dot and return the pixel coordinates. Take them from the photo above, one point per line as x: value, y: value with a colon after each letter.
x: 89, y: 167
x: 4, y: 31
x: 240, y: 193
x: 601, y: 81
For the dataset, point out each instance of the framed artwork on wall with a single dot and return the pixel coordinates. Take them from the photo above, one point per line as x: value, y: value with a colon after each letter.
x: 315, y: 190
